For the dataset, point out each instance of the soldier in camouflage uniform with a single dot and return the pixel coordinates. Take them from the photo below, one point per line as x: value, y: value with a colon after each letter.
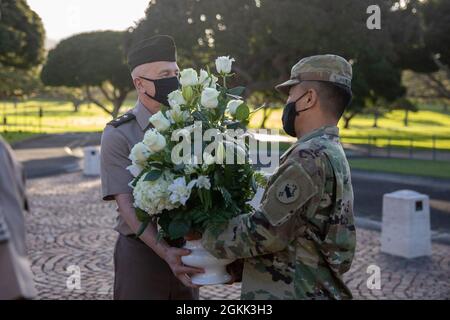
x: 302, y: 238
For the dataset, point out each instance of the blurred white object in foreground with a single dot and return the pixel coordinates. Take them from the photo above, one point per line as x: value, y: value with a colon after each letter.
x: 406, y: 224
x: 91, y: 163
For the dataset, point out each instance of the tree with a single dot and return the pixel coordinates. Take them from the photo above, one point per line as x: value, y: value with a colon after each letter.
x: 21, y: 35
x: 268, y: 36
x: 18, y: 83
x: 429, y: 55
x: 21, y: 49
x: 76, y: 96
x: 406, y: 105
x: 431, y: 87
x: 88, y: 61
x: 436, y: 31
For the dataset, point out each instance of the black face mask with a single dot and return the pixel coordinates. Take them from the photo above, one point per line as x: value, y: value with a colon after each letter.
x: 162, y: 89
x: 289, y: 115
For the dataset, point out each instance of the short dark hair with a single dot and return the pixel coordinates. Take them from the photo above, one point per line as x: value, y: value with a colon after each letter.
x: 335, y: 97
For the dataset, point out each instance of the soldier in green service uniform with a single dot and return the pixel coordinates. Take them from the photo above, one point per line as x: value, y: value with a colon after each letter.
x: 301, y: 239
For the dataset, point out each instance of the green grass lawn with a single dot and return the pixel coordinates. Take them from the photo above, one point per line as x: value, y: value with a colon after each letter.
x: 59, y: 117
x: 12, y: 137
x: 427, y: 168
x: 423, y: 125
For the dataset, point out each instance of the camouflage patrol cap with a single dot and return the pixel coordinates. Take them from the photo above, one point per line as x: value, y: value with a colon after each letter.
x: 327, y: 67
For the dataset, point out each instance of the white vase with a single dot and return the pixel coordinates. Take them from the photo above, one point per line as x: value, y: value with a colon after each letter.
x: 215, y: 269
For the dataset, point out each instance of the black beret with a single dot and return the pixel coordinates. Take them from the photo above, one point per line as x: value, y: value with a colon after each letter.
x: 157, y: 48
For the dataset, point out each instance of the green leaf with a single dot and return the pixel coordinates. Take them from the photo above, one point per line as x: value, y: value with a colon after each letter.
x: 237, y: 91
x: 226, y: 195
x: 164, y: 221
x: 141, y: 215
x: 260, y: 179
x: 229, y: 203
x: 179, y: 167
x: 218, y: 178
x: 135, y: 180
x: 233, y: 125
x: 160, y: 236
x: 142, y: 228
x: 242, y: 112
x: 156, y: 165
x: 153, y: 175
x: 179, y: 228
x: 199, y: 116
x: 199, y: 216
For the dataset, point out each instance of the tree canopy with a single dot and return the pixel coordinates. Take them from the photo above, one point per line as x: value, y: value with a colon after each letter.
x: 268, y: 36
x: 22, y: 35
x: 89, y: 60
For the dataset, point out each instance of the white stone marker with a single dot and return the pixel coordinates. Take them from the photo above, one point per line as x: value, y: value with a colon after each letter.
x: 91, y: 161
x: 406, y: 224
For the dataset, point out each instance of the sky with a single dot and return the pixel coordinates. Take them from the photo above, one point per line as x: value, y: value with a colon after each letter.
x: 63, y: 18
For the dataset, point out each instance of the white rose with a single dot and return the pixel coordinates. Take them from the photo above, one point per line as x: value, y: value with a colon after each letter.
x: 210, y: 98
x: 233, y: 105
x: 154, y: 140
x: 139, y: 153
x: 176, y: 99
x: 206, y: 80
x: 223, y: 65
x: 160, y: 122
x: 188, y: 77
x: 203, y: 77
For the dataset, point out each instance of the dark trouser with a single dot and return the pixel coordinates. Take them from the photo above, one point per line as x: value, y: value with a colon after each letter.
x: 140, y: 274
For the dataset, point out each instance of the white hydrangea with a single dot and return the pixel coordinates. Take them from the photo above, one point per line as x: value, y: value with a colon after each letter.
x: 153, y: 196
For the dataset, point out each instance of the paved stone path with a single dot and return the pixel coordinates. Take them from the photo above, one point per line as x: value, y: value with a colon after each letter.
x: 70, y: 228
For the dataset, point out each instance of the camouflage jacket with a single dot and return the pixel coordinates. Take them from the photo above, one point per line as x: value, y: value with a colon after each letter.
x: 302, y: 238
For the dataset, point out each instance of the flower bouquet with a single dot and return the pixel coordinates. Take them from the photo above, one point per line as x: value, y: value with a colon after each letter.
x: 192, y: 169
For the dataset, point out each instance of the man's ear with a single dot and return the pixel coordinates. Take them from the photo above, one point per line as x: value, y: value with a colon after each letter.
x: 312, y: 97
x: 138, y: 84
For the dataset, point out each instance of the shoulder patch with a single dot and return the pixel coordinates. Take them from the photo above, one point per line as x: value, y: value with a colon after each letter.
x: 121, y: 120
x: 287, y: 193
